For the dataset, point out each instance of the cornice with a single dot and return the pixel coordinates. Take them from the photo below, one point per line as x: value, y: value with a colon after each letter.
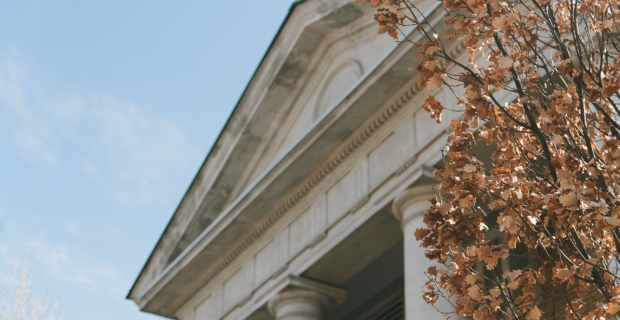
x: 319, y: 175
x: 334, y: 44
x: 217, y: 264
x: 290, y: 50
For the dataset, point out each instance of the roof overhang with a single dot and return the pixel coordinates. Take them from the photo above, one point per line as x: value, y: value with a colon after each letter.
x: 165, y: 291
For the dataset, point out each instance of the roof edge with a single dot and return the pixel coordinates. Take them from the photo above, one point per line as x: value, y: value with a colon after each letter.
x: 260, y: 64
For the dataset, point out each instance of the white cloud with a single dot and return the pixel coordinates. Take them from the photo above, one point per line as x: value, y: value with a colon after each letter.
x: 73, y: 228
x: 122, y: 148
x: 108, y: 139
x: 32, y: 136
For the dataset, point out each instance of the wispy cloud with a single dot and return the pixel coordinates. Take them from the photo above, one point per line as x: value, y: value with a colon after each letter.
x: 73, y: 228
x: 108, y: 139
x: 131, y: 153
x: 34, y: 133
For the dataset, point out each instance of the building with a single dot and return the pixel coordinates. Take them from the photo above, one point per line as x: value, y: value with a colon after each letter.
x: 306, y: 206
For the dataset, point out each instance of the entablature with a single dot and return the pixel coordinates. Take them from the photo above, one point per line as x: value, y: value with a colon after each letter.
x: 364, y: 112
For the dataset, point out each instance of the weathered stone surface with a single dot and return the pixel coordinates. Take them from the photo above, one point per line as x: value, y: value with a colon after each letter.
x: 308, y: 226
x: 211, y: 308
x: 350, y: 189
x: 238, y: 286
x: 329, y: 125
x: 272, y: 257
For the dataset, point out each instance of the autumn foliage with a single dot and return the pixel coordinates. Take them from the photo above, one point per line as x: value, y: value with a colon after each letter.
x: 532, y: 232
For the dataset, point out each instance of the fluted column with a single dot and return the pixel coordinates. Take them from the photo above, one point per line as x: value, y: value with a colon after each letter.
x: 409, y: 207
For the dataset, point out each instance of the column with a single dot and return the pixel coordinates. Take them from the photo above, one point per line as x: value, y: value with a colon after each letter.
x: 408, y: 207
x: 300, y: 304
x: 304, y: 299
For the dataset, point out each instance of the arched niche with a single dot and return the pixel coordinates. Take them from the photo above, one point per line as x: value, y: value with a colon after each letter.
x: 337, y: 84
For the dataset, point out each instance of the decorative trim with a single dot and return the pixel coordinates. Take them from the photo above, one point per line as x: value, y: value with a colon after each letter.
x: 359, y: 205
x: 329, y: 167
x: 406, y: 165
x: 318, y: 239
x: 279, y: 271
x: 244, y: 300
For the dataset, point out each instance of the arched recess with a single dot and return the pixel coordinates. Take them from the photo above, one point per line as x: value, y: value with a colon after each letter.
x: 337, y: 84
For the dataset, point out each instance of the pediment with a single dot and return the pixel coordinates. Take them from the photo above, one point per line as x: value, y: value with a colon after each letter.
x: 217, y: 184
x: 312, y: 90
x: 334, y: 69
x: 342, y: 60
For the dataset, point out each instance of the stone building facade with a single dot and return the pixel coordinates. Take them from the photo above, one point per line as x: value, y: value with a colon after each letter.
x: 306, y: 206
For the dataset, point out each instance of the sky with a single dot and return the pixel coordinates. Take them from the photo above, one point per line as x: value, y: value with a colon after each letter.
x: 107, y: 110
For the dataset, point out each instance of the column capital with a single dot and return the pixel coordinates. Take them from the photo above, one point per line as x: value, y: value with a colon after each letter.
x: 300, y: 304
x: 304, y: 299
x: 412, y: 202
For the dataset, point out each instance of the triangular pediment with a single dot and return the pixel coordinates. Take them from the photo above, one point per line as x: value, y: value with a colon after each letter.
x: 335, y: 67
x: 323, y: 79
x: 274, y: 111
x: 340, y: 63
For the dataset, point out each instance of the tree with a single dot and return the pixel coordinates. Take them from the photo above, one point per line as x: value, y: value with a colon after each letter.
x: 540, y: 83
x: 20, y: 302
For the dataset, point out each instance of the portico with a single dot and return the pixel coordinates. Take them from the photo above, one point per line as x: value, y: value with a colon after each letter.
x: 306, y: 207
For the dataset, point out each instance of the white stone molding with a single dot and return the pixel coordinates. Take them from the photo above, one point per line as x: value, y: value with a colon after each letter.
x: 299, y: 304
x: 336, y: 84
x: 353, y: 144
x: 359, y: 205
x: 406, y: 165
x: 279, y: 271
x: 244, y: 300
x: 318, y: 239
x: 165, y: 289
x: 335, y: 44
x: 412, y: 203
x: 409, y: 207
x: 305, y: 299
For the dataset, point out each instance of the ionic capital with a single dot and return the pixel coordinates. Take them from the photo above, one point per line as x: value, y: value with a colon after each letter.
x: 412, y: 202
x: 305, y: 299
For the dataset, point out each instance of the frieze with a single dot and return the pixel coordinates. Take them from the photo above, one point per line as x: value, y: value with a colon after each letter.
x: 318, y: 239
x: 329, y: 167
x: 279, y: 271
x: 359, y: 205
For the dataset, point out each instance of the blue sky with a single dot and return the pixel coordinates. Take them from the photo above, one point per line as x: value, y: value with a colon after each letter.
x: 107, y: 110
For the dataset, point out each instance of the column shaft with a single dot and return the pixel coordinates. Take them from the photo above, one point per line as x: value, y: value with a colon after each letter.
x: 409, y: 208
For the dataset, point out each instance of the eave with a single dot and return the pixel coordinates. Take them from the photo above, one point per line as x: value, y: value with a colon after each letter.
x: 216, y: 245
